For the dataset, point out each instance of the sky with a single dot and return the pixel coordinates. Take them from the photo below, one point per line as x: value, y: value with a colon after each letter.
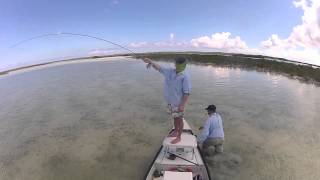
x: 279, y: 28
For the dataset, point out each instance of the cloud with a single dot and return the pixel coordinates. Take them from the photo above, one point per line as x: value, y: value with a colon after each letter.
x: 110, y: 6
x: 160, y: 45
x: 114, y: 2
x: 138, y: 44
x: 276, y: 42
x: 98, y: 52
x: 307, y: 34
x: 303, y: 42
x: 221, y: 41
x: 171, y: 36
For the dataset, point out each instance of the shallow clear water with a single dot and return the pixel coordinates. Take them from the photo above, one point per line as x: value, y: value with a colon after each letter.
x: 106, y: 120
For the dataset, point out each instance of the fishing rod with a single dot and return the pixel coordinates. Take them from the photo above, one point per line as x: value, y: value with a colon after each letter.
x: 183, y: 158
x: 72, y: 34
x: 82, y: 35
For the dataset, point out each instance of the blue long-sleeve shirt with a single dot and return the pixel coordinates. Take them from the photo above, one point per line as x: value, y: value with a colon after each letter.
x: 175, y: 85
x: 212, y: 128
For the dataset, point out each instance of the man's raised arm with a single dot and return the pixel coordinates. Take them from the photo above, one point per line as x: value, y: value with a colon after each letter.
x: 150, y: 63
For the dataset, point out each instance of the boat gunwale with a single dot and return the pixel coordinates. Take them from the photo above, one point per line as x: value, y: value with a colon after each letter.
x: 154, y: 159
x: 200, y: 152
x: 204, y: 162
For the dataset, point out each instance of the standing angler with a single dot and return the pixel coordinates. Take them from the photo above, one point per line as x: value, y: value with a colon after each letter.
x: 177, y: 89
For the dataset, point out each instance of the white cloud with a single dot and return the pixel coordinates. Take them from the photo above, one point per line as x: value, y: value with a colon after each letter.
x: 221, y: 41
x: 58, y: 32
x: 303, y: 43
x: 275, y: 41
x: 171, y: 36
x: 160, y: 44
x: 307, y: 34
x: 164, y: 44
x: 138, y: 44
x: 98, y: 52
x: 115, y: 2
x: 110, y: 6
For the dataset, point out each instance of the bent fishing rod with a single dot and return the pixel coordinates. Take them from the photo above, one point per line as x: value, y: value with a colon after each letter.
x: 72, y: 34
x: 82, y: 35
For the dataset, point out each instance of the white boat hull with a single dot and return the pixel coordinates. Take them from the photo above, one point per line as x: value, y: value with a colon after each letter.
x: 191, y: 161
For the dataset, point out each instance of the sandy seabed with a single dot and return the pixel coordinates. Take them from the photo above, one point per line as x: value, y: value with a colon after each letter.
x: 107, y: 119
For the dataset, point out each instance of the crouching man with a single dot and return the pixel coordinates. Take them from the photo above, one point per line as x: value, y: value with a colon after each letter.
x: 212, y: 131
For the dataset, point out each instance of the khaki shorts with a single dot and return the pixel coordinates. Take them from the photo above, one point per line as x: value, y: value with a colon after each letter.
x: 174, y: 111
x: 217, y: 143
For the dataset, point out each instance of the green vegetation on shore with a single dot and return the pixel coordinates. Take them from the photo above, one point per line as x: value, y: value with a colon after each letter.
x: 301, y: 71
x: 3, y: 73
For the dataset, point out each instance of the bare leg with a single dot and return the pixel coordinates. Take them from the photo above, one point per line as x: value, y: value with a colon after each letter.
x: 181, y: 127
x: 174, y: 133
x: 179, y: 123
x: 169, y: 109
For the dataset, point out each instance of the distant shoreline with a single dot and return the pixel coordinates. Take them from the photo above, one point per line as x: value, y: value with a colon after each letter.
x: 303, y: 71
x: 56, y: 62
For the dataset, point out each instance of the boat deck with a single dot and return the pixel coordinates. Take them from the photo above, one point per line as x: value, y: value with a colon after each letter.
x: 187, y: 159
x: 187, y: 141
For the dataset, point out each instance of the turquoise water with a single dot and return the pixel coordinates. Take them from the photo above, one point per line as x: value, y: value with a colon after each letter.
x: 106, y: 120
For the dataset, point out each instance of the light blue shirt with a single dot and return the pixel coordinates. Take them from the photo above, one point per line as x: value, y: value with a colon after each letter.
x: 175, y: 85
x: 212, y: 128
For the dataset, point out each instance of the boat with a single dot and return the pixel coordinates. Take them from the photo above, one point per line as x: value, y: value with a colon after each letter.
x: 181, y: 161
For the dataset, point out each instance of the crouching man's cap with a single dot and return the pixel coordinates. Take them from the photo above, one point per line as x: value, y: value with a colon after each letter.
x: 211, y: 108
